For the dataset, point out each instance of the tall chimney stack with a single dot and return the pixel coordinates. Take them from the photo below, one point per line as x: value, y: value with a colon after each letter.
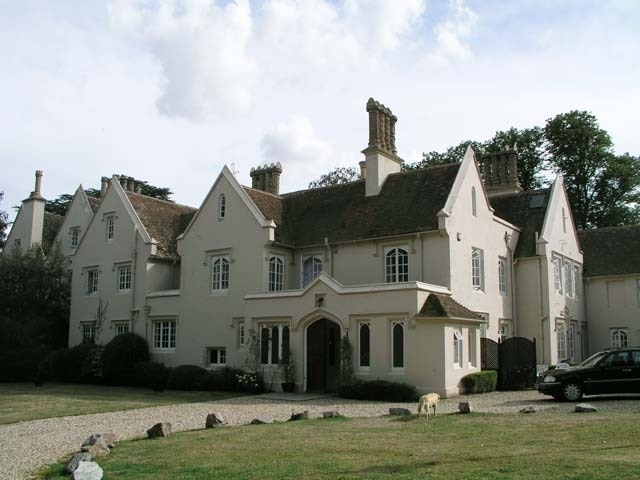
x: 104, y: 184
x: 267, y: 178
x: 36, y: 192
x: 500, y: 172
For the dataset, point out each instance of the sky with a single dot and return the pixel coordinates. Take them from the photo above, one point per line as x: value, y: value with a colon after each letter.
x: 170, y: 91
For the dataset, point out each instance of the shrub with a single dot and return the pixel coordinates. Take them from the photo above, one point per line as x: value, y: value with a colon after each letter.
x: 80, y: 364
x: 228, y: 378
x: 120, y: 357
x: 250, y: 382
x: 480, y: 382
x: 20, y: 364
x: 188, y: 377
x: 152, y: 375
x: 379, y: 390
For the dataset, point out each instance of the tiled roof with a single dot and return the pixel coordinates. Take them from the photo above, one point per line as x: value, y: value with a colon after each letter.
x: 94, y: 203
x: 443, y: 306
x: 163, y: 220
x: 408, y: 203
x: 50, y: 227
x: 526, y: 210
x: 611, y: 251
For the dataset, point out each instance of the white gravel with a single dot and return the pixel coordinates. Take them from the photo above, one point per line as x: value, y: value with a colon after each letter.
x: 27, y: 446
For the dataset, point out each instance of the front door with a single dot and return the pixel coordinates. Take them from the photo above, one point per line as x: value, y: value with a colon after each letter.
x: 323, y: 356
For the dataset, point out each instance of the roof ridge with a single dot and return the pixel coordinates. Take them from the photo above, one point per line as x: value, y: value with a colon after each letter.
x: 168, y: 202
x: 613, y: 227
x: 261, y: 191
x: 326, y: 187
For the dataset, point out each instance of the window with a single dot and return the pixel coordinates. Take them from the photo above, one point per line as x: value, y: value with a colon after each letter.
x: 17, y: 245
x: 164, y: 335
x: 484, y: 324
x: 561, y: 340
x: 585, y: 340
x: 557, y: 275
x: 74, y: 233
x: 311, y: 268
x: 241, y: 334
x: 219, y: 273
x: 618, y: 337
x: 276, y: 274
x: 122, y: 328
x: 457, y: 347
x: 397, y: 344
x: 222, y: 206
x: 217, y: 356
x: 92, y: 281
x: 364, y: 345
x: 577, y: 280
x: 111, y: 222
x: 89, y: 332
x: 124, y: 278
x: 502, y: 275
x: 471, y: 334
x: 396, y: 262
x: 568, y: 279
x: 477, y: 269
x: 474, y: 205
x: 505, y: 329
x: 571, y: 340
x: 274, y: 341
x: 564, y: 221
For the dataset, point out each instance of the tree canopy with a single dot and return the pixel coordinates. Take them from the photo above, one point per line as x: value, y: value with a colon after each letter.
x: 4, y: 223
x: 336, y: 176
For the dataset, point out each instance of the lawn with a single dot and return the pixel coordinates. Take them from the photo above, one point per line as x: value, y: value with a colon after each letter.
x: 24, y: 401
x: 534, y: 446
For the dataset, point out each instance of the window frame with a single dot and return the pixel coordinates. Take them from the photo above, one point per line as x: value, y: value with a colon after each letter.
x: 477, y: 280
x: 315, y: 261
x: 74, y: 234
x: 275, y: 277
x: 505, y: 322
x: 88, y: 333
x: 396, y: 254
x: 622, y: 333
x: 270, y: 342
x: 121, y: 325
x: 394, y: 324
x: 360, y: 349
x: 568, y: 278
x: 557, y: 275
x: 221, y: 356
x: 572, y: 340
x: 92, y: 281
x: 119, y: 271
x: 458, y: 346
x: 158, y: 335
x: 561, y: 339
x: 222, y: 206
x: 110, y: 227
x: 577, y: 280
x: 219, y: 280
x: 503, y: 287
x: 242, y: 334
x: 472, y: 347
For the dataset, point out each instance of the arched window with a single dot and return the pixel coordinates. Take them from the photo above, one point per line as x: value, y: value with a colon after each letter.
x: 397, y: 345
x: 618, y: 337
x: 220, y: 273
x: 222, y: 207
x: 276, y: 274
x: 396, y: 265
x: 474, y: 205
x: 365, y: 345
x: 311, y: 268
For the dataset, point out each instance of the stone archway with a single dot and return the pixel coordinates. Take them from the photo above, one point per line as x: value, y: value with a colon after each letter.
x: 323, y: 355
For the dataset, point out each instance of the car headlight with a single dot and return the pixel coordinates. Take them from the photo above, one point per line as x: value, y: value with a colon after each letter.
x: 549, y: 379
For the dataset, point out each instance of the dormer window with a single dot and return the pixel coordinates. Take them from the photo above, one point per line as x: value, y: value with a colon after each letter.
x: 396, y: 265
x: 222, y: 207
x: 311, y: 268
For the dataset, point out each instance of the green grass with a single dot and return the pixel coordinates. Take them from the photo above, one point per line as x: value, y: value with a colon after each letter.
x: 24, y: 401
x: 559, y: 446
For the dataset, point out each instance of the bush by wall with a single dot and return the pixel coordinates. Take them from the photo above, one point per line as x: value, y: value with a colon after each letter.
x: 152, y: 375
x: 120, y: 357
x: 18, y: 365
x: 189, y: 377
x: 479, y: 382
x: 379, y: 390
x: 80, y: 364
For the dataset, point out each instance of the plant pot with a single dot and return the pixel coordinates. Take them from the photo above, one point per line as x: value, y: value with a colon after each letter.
x: 288, y: 387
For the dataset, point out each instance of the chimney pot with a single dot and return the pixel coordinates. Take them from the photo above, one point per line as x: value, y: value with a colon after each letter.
x: 36, y: 192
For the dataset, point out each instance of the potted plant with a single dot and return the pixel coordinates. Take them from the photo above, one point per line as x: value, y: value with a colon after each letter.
x: 288, y: 371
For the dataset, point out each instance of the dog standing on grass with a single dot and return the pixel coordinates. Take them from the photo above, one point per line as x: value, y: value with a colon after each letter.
x: 426, y: 402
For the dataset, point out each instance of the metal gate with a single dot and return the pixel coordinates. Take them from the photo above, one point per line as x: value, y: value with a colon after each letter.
x: 514, y: 359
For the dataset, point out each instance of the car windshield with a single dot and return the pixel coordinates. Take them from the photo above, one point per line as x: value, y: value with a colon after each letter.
x: 593, y: 359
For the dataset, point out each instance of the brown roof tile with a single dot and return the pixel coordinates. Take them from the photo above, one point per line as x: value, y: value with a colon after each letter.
x: 443, y: 306
x: 611, y: 251
x: 94, y: 203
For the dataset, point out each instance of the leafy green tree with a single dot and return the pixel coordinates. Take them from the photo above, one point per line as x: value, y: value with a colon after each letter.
x: 602, y: 187
x: 335, y: 177
x: 156, y: 192
x: 4, y: 223
x: 60, y: 205
x: 451, y: 155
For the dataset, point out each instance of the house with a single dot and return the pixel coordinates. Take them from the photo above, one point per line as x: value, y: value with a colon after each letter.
x: 612, y: 285
x: 411, y: 268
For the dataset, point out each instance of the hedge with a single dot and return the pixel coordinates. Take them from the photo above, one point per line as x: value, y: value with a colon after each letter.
x: 379, y: 390
x: 188, y: 377
x: 480, y: 382
x: 80, y: 364
x: 120, y: 357
x: 152, y: 375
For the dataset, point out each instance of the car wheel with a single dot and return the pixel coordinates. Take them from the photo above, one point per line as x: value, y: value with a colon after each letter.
x: 572, y: 391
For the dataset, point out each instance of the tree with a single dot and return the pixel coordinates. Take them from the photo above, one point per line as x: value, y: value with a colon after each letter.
x: 451, y: 155
x: 4, y: 223
x: 529, y: 143
x: 602, y: 187
x: 60, y: 205
x: 156, y: 192
x: 335, y: 177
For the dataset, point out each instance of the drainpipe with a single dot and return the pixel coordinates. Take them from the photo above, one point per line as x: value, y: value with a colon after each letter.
x: 329, y: 255
x: 134, y: 259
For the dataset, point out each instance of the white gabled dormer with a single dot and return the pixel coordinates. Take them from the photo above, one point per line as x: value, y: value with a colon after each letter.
x: 380, y: 156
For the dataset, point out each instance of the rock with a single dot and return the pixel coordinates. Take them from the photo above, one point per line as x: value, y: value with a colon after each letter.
x: 109, y: 438
x: 528, y: 409
x: 299, y: 416
x: 464, y: 407
x: 215, y: 420
x: 399, y: 411
x: 75, y: 461
x: 160, y: 430
x: 261, y: 421
x: 88, y: 471
x: 332, y: 414
x: 98, y: 447
x: 585, y: 408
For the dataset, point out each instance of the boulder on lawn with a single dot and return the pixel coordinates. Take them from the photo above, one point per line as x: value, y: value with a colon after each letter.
x: 97, y: 448
x: 88, y: 471
x: 528, y: 409
x: 75, y: 460
x: 464, y: 407
x: 261, y: 421
x: 215, y: 420
x: 399, y: 411
x: 162, y: 429
x: 332, y: 414
x: 299, y: 416
x: 109, y: 438
x: 585, y: 408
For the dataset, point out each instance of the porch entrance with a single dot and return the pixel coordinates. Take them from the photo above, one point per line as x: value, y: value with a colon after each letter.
x: 323, y: 356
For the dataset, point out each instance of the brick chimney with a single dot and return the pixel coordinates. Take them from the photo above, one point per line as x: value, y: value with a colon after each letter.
x: 500, y: 172
x: 267, y: 178
x: 380, y: 156
x: 104, y: 184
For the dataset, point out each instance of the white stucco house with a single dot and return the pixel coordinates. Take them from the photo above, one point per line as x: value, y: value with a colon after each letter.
x: 412, y: 267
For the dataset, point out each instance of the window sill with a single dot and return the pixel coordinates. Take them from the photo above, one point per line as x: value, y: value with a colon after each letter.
x: 124, y: 292
x: 397, y: 371
x: 163, y: 350
x: 219, y: 293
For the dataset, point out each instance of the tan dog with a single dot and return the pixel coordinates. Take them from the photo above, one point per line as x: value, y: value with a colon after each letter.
x: 426, y: 402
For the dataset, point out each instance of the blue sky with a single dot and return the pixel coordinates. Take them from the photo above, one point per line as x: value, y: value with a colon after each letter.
x: 170, y: 91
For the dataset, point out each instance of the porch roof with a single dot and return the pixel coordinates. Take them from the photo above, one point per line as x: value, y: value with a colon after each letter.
x: 438, y: 305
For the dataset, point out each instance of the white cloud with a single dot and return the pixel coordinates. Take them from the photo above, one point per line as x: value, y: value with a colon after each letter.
x: 451, y: 34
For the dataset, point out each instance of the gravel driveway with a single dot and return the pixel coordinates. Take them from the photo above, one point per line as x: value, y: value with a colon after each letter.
x: 27, y: 446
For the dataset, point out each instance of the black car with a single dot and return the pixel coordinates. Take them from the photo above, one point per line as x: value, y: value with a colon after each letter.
x: 615, y: 370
